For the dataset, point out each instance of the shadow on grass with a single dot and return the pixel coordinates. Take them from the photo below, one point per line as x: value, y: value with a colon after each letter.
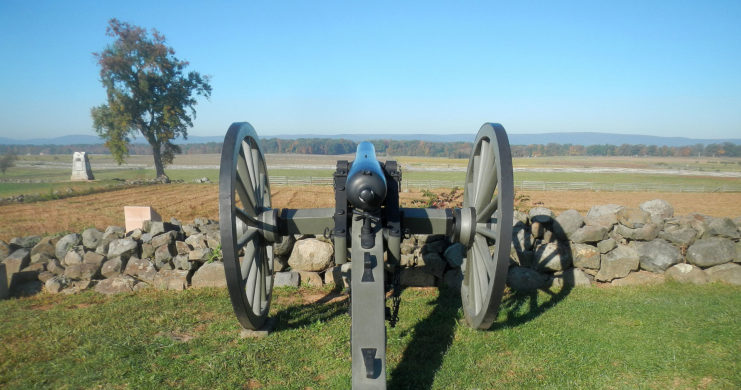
x: 425, y: 352
x: 300, y: 315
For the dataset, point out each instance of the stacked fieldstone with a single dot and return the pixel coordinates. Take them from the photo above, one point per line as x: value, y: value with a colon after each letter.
x: 611, y: 244
x: 161, y: 254
x: 622, y: 246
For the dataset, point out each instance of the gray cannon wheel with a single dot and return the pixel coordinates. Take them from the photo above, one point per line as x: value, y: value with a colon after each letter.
x: 489, y: 190
x: 244, y: 195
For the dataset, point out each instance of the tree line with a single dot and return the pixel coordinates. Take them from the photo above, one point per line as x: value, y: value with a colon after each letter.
x: 327, y: 146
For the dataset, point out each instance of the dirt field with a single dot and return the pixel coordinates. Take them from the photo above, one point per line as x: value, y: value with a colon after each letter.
x: 187, y: 201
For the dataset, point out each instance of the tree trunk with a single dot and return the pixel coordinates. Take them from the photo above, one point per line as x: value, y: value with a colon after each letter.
x: 158, y: 167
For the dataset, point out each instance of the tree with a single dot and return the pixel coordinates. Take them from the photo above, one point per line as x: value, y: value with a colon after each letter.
x: 147, y: 92
x: 7, y: 161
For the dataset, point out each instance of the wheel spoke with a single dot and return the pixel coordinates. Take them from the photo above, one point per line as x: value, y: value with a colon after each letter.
x: 485, y: 214
x: 486, y: 232
x: 477, y: 293
x: 258, y: 180
x: 246, y: 154
x: 480, y: 172
x: 247, y: 193
x: 251, y: 232
x: 245, y: 217
x: 488, y: 182
x: 483, y: 248
x: 259, y: 280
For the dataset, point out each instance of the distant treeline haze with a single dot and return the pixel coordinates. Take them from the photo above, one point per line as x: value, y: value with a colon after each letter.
x: 408, y: 148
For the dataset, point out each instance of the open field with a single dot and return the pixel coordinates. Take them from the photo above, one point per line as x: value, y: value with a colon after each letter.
x: 187, y: 201
x: 48, y: 176
x: 654, y: 337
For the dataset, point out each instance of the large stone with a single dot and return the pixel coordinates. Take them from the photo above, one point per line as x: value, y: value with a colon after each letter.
x: 89, y: 271
x: 30, y: 273
x: 589, y: 234
x: 686, y: 273
x: 91, y: 238
x: 525, y: 279
x: 182, y: 248
x: 197, y: 241
x: 141, y: 269
x: 618, y: 263
x: 541, y: 214
x: 147, y: 251
x: 93, y: 258
x: 157, y: 227
x: 683, y: 236
x: 311, y: 255
x: 658, y: 209
x: 286, y: 279
x: 572, y: 277
x: 74, y: 255
x: 432, y: 263
x: 603, y: 215
x: 607, y: 245
x: 73, y: 271
x: 285, y: 246
x: 700, y: 223
x: 171, y: 279
x: 163, y: 256
x: 123, y: 248
x: 707, y: 252
x: 209, y: 275
x: 112, y: 267
x: 633, y: 217
x: 164, y: 239
x: 454, y: 255
x: 585, y: 256
x: 737, y: 259
x: 189, y: 229
x: 44, y: 250
x: 65, y: 243
x: 416, y: 277
x: 117, y: 285
x: 567, y: 223
x: 728, y: 273
x: 657, y: 255
x: 646, y: 232
x: 55, y: 267
x: 16, y: 261
x: 639, y: 278
x: 27, y: 242
x: 311, y: 279
x: 199, y: 254
x: 339, y: 275
x: 4, y: 250
x: 552, y: 256
x: 56, y: 284
x: 182, y: 262
x: 723, y: 227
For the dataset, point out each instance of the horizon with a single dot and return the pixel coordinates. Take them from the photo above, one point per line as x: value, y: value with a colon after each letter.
x: 667, y: 69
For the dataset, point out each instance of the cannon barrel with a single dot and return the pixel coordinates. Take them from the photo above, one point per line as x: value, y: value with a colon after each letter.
x: 366, y: 182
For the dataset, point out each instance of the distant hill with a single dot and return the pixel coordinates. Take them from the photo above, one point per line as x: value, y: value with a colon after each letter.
x: 585, y: 138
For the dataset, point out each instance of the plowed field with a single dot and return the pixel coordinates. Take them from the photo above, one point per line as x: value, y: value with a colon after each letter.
x: 188, y: 201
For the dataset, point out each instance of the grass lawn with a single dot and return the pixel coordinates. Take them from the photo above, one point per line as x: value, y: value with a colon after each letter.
x: 666, y: 336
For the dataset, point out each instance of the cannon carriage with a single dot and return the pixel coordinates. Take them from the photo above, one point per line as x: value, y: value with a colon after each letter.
x: 368, y: 221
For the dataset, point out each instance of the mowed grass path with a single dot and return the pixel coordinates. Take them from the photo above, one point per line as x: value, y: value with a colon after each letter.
x: 666, y: 336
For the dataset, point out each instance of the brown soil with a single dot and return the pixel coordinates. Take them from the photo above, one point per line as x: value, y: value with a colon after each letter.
x: 188, y: 201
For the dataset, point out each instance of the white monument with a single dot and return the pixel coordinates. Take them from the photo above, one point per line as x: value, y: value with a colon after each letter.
x: 81, y: 167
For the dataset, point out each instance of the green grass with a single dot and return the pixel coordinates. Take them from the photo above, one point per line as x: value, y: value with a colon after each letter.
x: 666, y: 336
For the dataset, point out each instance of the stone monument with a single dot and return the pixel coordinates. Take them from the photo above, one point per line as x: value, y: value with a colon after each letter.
x: 81, y: 167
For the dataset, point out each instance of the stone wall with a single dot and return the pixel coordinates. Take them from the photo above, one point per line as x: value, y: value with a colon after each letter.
x: 610, y: 244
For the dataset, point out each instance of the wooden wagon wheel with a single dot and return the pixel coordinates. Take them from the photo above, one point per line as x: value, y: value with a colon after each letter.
x: 488, y: 200
x: 246, y: 222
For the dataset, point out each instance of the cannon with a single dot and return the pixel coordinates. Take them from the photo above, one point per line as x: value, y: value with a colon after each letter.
x: 367, y: 221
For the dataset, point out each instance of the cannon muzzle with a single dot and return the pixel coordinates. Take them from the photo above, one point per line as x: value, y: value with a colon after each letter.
x: 366, y: 182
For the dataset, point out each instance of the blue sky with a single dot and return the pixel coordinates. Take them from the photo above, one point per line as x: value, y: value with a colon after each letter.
x: 669, y: 68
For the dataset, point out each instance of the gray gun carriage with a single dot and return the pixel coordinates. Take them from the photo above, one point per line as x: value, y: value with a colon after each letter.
x: 367, y: 221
